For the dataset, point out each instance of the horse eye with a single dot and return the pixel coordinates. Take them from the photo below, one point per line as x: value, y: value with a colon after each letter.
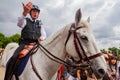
x: 84, y: 38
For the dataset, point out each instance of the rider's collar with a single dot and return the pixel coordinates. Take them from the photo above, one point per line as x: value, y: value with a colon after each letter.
x: 32, y: 19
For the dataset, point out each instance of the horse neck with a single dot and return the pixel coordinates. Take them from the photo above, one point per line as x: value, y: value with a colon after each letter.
x: 55, y: 45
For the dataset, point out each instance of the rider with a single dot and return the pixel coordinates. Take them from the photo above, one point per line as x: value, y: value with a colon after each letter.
x: 32, y: 31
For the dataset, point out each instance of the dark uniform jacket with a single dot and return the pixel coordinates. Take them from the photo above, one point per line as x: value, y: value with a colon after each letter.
x: 32, y: 31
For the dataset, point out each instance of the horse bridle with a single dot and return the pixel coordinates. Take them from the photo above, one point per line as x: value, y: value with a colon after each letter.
x: 83, y: 56
x: 73, y: 30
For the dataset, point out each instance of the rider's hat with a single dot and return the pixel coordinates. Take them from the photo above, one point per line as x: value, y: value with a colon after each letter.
x: 35, y: 7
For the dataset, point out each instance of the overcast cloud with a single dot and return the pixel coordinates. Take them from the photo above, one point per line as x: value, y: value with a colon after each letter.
x: 104, y: 14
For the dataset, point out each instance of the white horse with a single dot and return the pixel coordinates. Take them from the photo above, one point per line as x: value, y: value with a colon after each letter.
x: 8, y: 52
x: 46, y: 68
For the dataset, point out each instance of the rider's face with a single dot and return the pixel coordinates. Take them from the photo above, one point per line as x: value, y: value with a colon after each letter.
x: 34, y: 14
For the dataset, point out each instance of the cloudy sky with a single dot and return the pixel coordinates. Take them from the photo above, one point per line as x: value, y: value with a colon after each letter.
x: 104, y: 14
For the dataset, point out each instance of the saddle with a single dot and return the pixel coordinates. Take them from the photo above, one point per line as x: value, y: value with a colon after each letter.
x: 23, y: 57
x: 26, y: 50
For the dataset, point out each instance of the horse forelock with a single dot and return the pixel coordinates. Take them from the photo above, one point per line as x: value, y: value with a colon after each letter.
x: 87, y: 31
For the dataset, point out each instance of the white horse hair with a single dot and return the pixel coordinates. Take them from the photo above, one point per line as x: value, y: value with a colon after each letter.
x: 8, y: 52
x: 46, y: 67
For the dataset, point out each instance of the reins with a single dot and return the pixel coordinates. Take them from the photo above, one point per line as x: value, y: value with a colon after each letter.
x: 52, y: 57
x: 58, y: 60
x: 77, y: 45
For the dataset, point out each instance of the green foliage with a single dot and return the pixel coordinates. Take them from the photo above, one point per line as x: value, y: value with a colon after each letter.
x: 2, y: 38
x: 115, y: 50
x: 15, y: 38
x: 5, y: 40
x: 103, y: 51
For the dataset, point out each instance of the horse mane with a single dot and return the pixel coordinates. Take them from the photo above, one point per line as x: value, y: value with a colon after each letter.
x: 57, y: 35
x: 64, y: 30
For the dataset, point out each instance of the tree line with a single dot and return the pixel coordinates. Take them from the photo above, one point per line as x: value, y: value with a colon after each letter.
x: 4, y: 40
x: 114, y: 50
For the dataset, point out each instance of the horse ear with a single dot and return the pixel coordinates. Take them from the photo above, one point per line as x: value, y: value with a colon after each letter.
x: 88, y: 19
x: 78, y: 16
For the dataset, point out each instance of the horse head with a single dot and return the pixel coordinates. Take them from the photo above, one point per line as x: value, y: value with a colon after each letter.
x: 82, y: 47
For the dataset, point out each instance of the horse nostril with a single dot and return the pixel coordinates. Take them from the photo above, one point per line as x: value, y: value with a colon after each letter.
x: 101, y: 71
